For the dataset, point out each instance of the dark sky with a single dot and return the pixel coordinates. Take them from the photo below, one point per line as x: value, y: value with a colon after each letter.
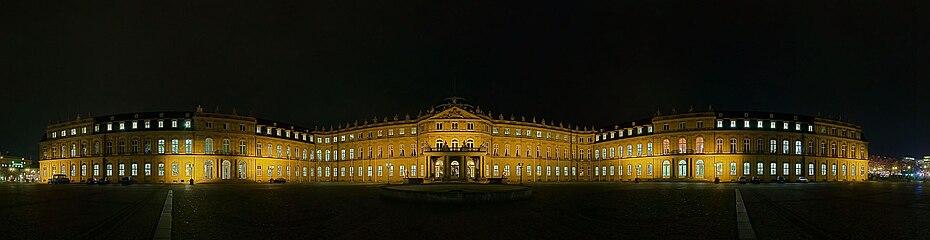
x: 592, y: 63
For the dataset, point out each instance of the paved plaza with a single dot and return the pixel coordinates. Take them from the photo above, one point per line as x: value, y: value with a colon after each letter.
x: 555, y: 211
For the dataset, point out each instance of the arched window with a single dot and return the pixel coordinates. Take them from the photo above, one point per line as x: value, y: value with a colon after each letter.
x: 226, y: 146
x: 665, y: 146
x: 439, y: 143
x: 699, y: 144
x: 823, y: 148
x: 328, y: 153
x: 843, y: 151
x: 699, y: 168
x: 666, y: 169
x: 278, y: 150
x: 732, y: 145
x: 682, y: 145
x: 718, y: 146
x: 470, y: 143
x: 208, y: 169
x: 682, y: 168
x: 455, y: 143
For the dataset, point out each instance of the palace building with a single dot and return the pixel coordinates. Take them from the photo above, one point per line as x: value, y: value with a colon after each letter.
x: 454, y: 142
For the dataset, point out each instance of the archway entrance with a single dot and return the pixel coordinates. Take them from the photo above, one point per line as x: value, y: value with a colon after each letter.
x: 454, y: 169
x: 242, y: 170
x: 227, y: 169
x: 471, y: 169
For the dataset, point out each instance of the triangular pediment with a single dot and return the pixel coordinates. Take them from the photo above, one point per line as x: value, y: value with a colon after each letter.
x: 454, y: 113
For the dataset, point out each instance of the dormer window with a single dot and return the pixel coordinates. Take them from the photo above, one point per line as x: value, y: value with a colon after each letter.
x: 719, y: 123
x: 785, y: 126
x: 278, y: 132
x: 73, y: 131
x: 147, y: 124
x: 797, y: 127
x: 639, y: 130
x: 109, y: 126
x: 746, y: 123
x: 84, y: 130
x: 174, y: 123
x: 135, y: 124
x: 161, y: 123
x: 122, y: 126
x: 187, y: 123
x: 732, y: 123
x: 258, y: 129
x: 810, y: 128
x: 650, y: 129
x: 759, y: 124
x: 772, y: 125
x: 268, y: 131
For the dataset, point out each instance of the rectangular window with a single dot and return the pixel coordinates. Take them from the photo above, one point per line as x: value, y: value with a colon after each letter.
x: 773, y: 169
x: 760, y: 168
x: 732, y: 169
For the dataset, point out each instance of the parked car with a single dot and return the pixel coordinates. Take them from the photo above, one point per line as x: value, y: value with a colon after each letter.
x: 742, y: 180
x: 279, y: 180
x: 756, y: 180
x: 780, y: 179
x: 103, y: 180
x: 802, y: 179
x: 126, y: 181
x: 59, y: 179
x: 91, y: 181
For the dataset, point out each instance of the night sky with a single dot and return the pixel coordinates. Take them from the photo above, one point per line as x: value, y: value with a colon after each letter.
x: 321, y: 63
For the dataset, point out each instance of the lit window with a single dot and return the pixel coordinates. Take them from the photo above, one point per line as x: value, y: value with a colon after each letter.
x: 797, y: 127
x: 135, y: 124
x: 122, y: 126
x: 174, y: 123
x: 732, y: 123
x: 109, y: 126
x: 161, y: 123
x: 759, y: 124
x: 719, y: 123
x: 772, y: 125
x: 147, y: 124
x: 187, y: 123
x: 785, y: 126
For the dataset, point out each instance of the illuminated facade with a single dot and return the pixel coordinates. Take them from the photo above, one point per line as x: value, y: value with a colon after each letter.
x: 454, y: 142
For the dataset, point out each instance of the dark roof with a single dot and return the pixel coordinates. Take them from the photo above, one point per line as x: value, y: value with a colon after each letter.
x: 279, y: 124
x: 764, y: 115
x: 143, y: 115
